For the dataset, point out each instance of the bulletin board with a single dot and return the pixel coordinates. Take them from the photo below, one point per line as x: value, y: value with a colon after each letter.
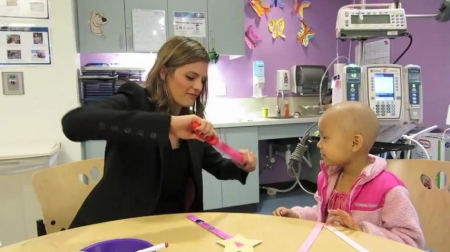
x: 24, y: 46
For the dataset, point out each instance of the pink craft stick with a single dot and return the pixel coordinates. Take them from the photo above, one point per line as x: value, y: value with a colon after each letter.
x: 311, y: 238
x: 235, y: 155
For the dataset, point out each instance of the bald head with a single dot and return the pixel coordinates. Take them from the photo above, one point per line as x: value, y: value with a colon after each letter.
x: 354, y: 118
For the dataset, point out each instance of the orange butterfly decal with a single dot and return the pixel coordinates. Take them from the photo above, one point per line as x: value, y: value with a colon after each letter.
x: 305, y: 34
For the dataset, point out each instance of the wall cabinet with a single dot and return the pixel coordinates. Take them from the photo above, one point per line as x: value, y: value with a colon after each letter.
x: 226, y: 26
x: 139, y: 4
x: 97, y: 38
x: 224, y: 32
x: 116, y: 34
x: 187, y: 5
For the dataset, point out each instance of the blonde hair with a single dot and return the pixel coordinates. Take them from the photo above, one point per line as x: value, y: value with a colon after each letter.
x: 176, y: 52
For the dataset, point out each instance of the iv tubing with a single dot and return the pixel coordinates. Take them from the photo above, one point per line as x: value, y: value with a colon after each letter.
x: 323, y: 77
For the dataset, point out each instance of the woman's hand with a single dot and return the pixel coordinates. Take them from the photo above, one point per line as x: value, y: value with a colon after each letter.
x: 285, y: 212
x: 343, y: 218
x: 249, y: 161
x: 181, y: 127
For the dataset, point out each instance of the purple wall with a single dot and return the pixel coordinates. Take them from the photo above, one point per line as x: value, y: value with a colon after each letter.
x: 321, y: 16
x: 283, y: 54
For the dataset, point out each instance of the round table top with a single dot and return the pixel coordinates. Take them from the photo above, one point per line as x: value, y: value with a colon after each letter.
x: 182, y: 234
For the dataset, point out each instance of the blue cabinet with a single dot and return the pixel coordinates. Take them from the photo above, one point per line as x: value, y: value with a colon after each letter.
x: 139, y: 4
x: 188, y: 6
x: 233, y: 192
x: 105, y: 26
x: 101, y: 26
x: 226, y: 26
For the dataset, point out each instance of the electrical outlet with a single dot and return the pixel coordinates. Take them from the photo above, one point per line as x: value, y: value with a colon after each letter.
x: 13, y: 83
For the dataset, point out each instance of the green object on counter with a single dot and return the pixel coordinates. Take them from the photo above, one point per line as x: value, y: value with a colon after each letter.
x: 264, y: 112
x: 316, y: 133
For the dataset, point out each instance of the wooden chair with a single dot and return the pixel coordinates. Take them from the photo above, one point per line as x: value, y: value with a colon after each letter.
x: 62, y: 189
x: 431, y: 201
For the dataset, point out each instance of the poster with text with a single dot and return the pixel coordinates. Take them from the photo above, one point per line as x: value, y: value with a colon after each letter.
x: 24, y: 46
x: 37, y: 9
x: 189, y: 24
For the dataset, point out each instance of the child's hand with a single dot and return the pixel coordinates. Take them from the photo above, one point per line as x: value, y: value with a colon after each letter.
x: 285, y: 212
x: 343, y: 218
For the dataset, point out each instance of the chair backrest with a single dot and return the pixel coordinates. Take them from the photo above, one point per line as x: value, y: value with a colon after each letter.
x: 62, y: 189
x: 427, y: 182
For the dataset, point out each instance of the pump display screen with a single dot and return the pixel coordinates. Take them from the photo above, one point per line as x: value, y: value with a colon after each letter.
x: 371, y: 19
x: 384, y: 87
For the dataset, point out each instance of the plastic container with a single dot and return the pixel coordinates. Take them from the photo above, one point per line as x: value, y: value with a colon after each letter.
x: 23, y: 157
x: 118, y: 245
x: 286, y: 108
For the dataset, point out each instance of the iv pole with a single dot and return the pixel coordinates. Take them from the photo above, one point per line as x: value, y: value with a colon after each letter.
x: 360, y: 59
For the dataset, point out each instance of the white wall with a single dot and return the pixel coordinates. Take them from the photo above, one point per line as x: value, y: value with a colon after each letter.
x: 50, y: 91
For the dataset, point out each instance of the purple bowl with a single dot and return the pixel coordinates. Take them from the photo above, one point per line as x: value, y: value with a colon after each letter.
x: 118, y: 245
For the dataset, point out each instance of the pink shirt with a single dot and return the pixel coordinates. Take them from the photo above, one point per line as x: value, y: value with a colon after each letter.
x: 338, y: 200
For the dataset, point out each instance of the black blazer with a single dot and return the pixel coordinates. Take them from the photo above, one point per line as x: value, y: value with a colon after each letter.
x: 136, y: 156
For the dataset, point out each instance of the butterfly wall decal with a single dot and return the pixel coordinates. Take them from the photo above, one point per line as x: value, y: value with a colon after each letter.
x: 305, y: 34
x: 276, y: 27
x: 299, y: 8
x: 251, y: 38
x: 277, y: 3
x: 259, y: 7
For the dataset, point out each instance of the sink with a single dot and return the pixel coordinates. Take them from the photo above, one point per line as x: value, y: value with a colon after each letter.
x: 291, y: 117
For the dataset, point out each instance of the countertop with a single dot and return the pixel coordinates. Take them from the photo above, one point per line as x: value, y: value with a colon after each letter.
x: 262, y: 122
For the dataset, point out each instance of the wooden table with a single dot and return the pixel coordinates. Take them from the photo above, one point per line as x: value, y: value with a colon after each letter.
x: 276, y: 233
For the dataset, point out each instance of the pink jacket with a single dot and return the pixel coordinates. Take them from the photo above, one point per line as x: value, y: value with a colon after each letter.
x: 379, y: 202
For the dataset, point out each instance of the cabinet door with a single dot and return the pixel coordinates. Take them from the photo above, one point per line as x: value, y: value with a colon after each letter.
x: 94, y: 149
x: 139, y: 4
x: 226, y: 28
x: 188, y: 6
x: 101, y: 26
x: 212, y: 192
x: 212, y: 189
x: 233, y: 192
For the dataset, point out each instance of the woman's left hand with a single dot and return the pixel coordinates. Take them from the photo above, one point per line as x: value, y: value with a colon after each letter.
x: 343, y: 218
x: 249, y: 161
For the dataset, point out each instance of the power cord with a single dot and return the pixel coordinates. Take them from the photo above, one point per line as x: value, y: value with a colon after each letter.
x: 296, y: 157
x: 444, y: 133
x: 407, y: 48
x: 417, y: 145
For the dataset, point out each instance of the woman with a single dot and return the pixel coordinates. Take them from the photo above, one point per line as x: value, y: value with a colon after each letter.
x: 153, y: 160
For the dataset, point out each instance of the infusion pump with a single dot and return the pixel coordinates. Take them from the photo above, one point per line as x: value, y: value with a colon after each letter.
x: 367, y: 23
x: 393, y: 92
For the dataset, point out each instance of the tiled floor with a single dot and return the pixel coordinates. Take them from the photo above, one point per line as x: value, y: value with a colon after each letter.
x: 295, y: 197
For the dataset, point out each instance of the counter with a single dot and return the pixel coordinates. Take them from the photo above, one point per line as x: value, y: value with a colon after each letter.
x: 262, y: 122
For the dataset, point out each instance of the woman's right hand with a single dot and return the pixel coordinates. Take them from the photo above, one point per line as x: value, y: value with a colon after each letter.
x: 181, y: 127
x: 285, y: 212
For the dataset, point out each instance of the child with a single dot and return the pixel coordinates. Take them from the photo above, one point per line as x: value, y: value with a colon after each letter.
x: 353, y: 188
